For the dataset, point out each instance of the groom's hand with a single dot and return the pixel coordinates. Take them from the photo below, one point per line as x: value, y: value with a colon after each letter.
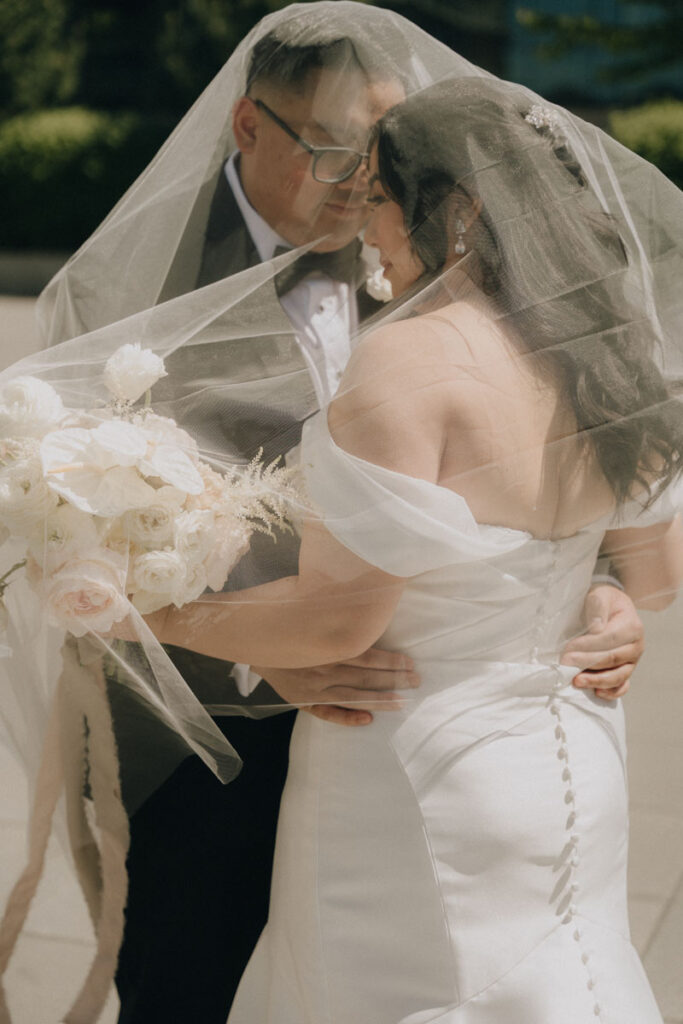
x: 609, y: 651
x: 347, y: 692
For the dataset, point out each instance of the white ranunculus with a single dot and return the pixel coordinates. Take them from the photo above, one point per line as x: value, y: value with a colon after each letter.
x: 87, y: 593
x: 131, y: 371
x: 146, y: 601
x: 153, y: 525
x: 160, y: 572
x: 378, y: 287
x: 29, y: 407
x: 63, y: 533
x: 195, y: 535
x: 232, y: 542
x: 194, y: 586
x: 25, y: 498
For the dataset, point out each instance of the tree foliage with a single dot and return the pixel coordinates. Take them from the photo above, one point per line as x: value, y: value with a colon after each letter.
x: 154, y: 55
x: 651, y: 44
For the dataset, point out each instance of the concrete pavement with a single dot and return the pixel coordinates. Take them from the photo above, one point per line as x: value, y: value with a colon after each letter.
x: 55, y: 953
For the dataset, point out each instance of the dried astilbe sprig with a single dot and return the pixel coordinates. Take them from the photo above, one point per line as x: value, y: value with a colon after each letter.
x: 264, y: 495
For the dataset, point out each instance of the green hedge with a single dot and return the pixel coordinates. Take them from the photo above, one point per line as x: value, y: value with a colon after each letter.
x: 62, y: 170
x: 655, y: 131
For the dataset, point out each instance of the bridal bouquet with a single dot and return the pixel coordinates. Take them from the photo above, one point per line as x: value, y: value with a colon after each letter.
x: 106, y: 507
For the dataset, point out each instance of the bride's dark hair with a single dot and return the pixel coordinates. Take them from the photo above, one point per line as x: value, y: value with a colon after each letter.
x: 546, y: 253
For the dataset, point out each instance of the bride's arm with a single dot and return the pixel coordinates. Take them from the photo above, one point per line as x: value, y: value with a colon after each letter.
x: 335, y: 609
x: 338, y: 605
x: 649, y: 561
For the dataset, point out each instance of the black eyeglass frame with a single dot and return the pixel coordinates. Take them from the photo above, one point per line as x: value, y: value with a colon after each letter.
x: 316, y: 151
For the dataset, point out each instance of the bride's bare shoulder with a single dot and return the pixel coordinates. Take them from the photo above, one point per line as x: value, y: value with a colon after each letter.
x: 447, y: 338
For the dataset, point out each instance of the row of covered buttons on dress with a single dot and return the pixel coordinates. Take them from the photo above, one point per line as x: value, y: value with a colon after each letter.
x: 568, y: 903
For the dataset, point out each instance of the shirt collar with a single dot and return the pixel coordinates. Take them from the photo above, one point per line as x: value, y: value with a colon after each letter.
x: 264, y: 238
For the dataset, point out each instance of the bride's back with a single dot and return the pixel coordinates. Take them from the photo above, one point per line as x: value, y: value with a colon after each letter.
x: 512, y: 448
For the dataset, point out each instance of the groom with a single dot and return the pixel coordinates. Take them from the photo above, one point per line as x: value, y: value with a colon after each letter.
x: 201, y: 853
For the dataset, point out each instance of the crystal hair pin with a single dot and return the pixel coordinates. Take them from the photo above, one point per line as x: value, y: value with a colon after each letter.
x: 543, y: 117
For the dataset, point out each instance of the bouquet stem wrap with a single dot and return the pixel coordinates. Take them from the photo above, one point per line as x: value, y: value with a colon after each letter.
x: 80, y: 758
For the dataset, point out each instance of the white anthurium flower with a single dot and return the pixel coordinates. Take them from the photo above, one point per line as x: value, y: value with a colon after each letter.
x: 25, y: 497
x: 116, y: 443
x: 62, y: 534
x: 81, y: 468
x: 159, y: 572
x: 29, y: 407
x: 173, y: 466
x: 153, y: 526
x: 166, y: 431
x: 87, y: 593
x: 195, y: 535
x: 131, y: 371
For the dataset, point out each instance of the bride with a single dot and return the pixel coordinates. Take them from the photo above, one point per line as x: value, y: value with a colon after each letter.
x: 464, y: 860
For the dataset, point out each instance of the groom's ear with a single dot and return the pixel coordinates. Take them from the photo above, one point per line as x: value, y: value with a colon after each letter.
x: 245, y: 122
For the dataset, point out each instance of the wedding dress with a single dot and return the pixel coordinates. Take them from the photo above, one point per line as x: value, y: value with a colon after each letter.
x: 462, y: 861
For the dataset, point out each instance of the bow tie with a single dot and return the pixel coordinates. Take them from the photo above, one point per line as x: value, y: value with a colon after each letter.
x: 341, y: 265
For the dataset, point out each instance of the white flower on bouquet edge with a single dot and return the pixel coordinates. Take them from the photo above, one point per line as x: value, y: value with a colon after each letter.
x: 87, y: 593
x: 61, y: 535
x: 29, y: 407
x: 194, y: 535
x: 25, y: 497
x: 131, y: 371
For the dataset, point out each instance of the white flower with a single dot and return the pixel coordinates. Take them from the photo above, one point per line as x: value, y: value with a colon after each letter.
x: 195, y: 535
x: 25, y: 497
x: 161, y: 572
x: 29, y: 407
x: 378, y: 287
x: 101, y: 470
x: 63, y: 533
x: 131, y: 371
x: 194, y: 586
x: 164, y: 430
x: 232, y: 542
x: 87, y: 593
x: 153, y: 525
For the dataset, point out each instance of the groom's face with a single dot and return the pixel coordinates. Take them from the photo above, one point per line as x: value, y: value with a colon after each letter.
x: 331, y: 108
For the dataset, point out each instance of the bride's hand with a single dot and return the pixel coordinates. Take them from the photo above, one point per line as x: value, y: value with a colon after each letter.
x: 609, y: 651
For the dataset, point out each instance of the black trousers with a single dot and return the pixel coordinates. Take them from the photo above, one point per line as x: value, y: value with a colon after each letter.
x: 199, y: 865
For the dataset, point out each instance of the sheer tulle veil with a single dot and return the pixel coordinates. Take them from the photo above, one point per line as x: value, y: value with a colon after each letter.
x: 577, y: 249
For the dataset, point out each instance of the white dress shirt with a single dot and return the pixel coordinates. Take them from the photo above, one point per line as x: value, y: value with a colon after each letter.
x: 322, y: 311
x: 324, y: 315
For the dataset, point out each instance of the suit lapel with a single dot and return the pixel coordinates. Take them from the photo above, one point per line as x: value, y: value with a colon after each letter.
x: 228, y: 246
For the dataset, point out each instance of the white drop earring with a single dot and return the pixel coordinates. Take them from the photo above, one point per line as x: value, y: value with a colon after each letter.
x: 460, y: 228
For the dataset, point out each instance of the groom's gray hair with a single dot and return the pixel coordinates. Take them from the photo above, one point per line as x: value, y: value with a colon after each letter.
x: 287, y: 55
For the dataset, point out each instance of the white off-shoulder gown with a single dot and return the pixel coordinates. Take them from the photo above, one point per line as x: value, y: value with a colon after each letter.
x: 462, y: 861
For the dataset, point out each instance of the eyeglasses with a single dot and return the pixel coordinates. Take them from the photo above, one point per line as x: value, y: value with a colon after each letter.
x: 331, y: 164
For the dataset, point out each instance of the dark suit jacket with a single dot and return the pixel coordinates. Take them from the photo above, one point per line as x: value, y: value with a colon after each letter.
x: 149, y: 752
